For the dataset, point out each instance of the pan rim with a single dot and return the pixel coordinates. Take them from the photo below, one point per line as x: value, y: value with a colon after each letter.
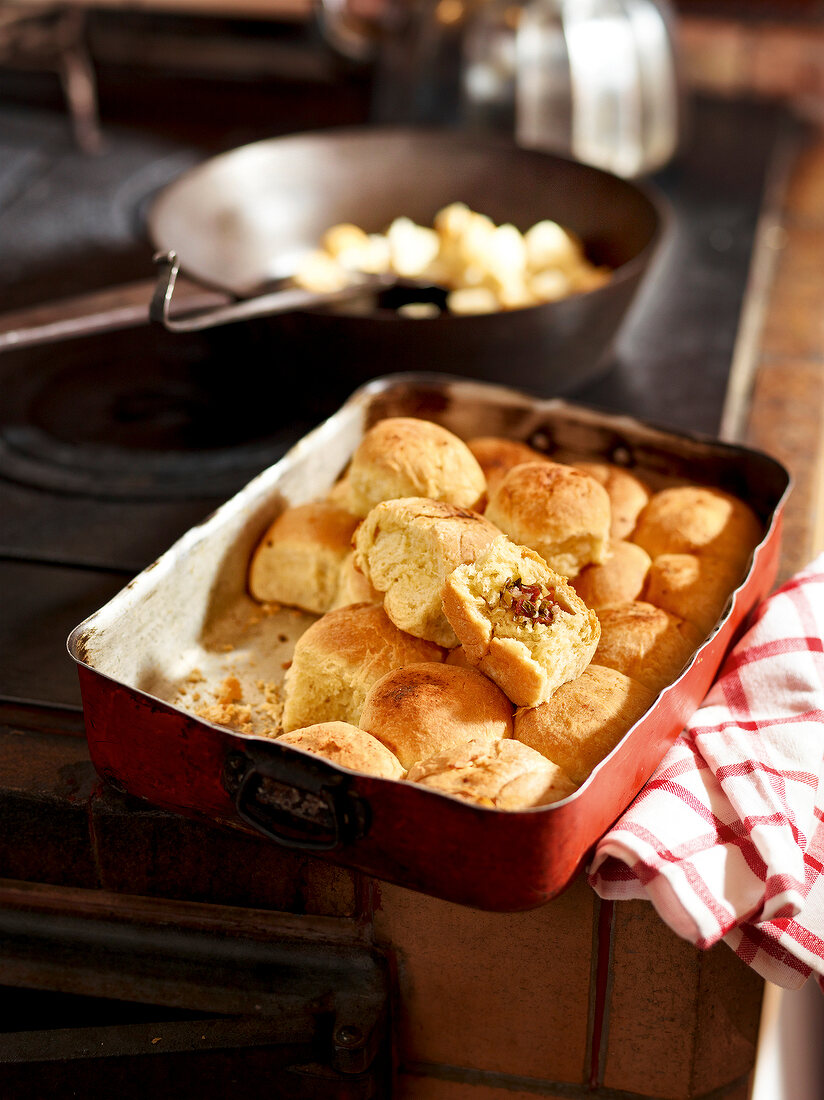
x: 657, y: 205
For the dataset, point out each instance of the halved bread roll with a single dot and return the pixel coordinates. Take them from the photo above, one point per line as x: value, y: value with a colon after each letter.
x: 406, y: 548
x: 424, y: 709
x: 338, y: 659
x: 519, y: 622
x: 506, y: 775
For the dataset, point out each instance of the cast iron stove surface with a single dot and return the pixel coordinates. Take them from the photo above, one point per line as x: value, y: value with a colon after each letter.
x: 144, y: 415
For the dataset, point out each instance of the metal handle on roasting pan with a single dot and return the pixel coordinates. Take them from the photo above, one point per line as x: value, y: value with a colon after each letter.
x: 298, y: 803
x: 264, y: 305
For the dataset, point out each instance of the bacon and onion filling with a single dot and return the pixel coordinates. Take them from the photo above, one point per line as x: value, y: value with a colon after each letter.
x: 533, y: 603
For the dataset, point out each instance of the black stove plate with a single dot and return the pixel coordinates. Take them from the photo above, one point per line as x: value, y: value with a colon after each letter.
x: 144, y: 415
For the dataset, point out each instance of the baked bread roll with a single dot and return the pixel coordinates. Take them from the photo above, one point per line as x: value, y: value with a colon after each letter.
x: 584, y: 720
x: 692, y: 586
x: 691, y: 519
x: 405, y: 457
x: 338, y: 659
x: 298, y: 560
x: 347, y: 745
x: 618, y: 579
x: 628, y: 495
x: 497, y: 456
x: 353, y: 587
x: 556, y: 510
x: 406, y: 548
x: 424, y: 709
x: 457, y: 656
x: 506, y: 775
x: 646, y: 643
x: 338, y: 495
x: 519, y: 622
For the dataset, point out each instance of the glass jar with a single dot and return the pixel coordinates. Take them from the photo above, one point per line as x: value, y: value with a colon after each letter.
x: 594, y: 79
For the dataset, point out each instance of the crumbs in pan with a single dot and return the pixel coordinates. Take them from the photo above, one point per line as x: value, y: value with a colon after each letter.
x: 256, y: 708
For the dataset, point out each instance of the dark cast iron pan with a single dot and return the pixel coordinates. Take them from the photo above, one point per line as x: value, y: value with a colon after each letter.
x: 235, y: 225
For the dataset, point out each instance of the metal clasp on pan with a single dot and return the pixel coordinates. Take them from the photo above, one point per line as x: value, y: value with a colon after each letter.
x: 295, y: 802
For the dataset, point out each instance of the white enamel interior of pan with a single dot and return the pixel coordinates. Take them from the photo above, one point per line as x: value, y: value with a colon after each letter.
x: 186, y: 624
x: 188, y: 615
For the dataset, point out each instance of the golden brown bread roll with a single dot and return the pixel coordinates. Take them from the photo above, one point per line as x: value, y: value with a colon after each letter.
x: 556, y: 510
x: 406, y: 548
x: 618, y: 579
x: 353, y: 587
x: 628, y: 495
x: 646, y: 643
x: 584, y: 720
x: 519, y: 622
x: 457, y: 656
x: 506, y: 775
x: 338, y: 495
x: 691, y: 519
x: 298, y: 560
x: 405, y: 457
x: 338, y: 659
x: 496, y: 456
x: 694, y: 587
x: 347, y: 745
x: 424, y: 709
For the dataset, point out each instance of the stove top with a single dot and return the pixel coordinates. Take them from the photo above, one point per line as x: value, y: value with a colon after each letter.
x: 112, y: 445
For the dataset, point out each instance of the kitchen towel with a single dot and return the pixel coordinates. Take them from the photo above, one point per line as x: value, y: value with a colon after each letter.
x: 727, y: 838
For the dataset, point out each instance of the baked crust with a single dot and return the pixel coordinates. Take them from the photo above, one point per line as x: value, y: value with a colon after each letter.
x: 353, y: 587
x: 298, y: 560
x: 694, y: 587
x: 691, y: 519
x: 584, y: 720
x: 556, y: 510
x: 505, y: 774
x: 528, y: 660
x: 646, y: 643
x: 618, y: 579
x: 406, y: 548
x: 405, y: 457
x: 424, y: 709
x: 347, y: 745
x: 628, y: 495
x: 338, y: 659
x: 496, y: 456
x: 338, y: 495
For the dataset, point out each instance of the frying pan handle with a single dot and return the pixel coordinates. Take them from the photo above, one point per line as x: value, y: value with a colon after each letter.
x: 297, y: 803
x: 265, y: 305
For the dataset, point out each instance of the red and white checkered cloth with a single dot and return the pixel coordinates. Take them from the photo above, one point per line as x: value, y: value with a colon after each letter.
x: 727, y: 838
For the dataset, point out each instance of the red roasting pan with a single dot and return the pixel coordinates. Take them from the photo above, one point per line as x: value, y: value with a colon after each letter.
x: 149, y: 659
